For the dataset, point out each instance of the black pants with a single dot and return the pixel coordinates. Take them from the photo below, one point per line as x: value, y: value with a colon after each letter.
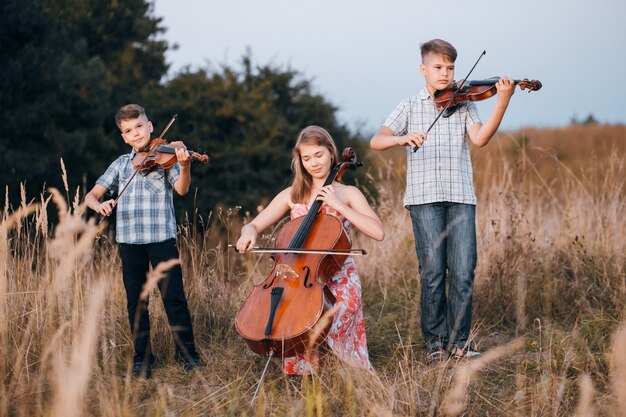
x: 135, y: 260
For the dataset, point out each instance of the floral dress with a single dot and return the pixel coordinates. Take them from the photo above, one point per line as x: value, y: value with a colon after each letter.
x: 346, y: 337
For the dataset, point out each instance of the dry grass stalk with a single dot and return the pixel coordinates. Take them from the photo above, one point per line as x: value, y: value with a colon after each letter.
x: 521, y: 289
x: 591, y: 204
x: 23, y: 202
x: 5, y: 210
x: 454, y: 401
x: 8, y: 223
x: 321, y: 325
x: 520, y: 395
x: 12, y: 220
x: 557, y: 400
x: 67, y: 250
x: 64, y: 176
x: 619, y: 368
x: 73, y: 376
x: 585, y: 402
x: 156, y: 275
x: 79, y: 209
x: 42, y: 217
x: 60, y: 203
x: 70, y: 250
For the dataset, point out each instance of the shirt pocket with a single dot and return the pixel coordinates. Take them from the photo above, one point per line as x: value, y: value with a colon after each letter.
x: 155, y: 181
x: 123, y: 180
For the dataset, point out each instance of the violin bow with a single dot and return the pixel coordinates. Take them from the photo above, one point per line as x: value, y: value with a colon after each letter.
x: 260, y: 249
x: 415, y: 148
x: 172, y: 120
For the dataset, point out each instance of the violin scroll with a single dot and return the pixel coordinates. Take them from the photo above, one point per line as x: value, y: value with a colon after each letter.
x: 533, y: 85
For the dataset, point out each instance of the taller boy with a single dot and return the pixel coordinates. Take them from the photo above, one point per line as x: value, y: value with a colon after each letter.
x: 440, y: 197
x: 146, y: 233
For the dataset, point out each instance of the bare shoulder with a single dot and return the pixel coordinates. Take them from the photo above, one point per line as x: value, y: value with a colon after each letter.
x: 284, y: 197
x: 350, y: 193
x: 285, y: 193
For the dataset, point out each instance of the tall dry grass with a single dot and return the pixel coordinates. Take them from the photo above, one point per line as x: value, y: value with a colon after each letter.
x: 549, y: 304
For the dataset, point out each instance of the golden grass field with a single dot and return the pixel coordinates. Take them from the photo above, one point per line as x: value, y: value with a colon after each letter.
x: 548, y: 306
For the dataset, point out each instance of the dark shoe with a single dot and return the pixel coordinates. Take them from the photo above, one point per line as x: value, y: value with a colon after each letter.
x: 142, y: 369
x: 191, y: 364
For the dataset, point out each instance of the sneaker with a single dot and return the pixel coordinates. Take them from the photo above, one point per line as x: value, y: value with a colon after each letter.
x: 464, y: 353
x: 436, y: 354
x: 142, y: 369
x: 191, y: 364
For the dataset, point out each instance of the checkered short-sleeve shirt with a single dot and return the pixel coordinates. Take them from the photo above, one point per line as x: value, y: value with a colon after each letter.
x: 440, y: 170
x: 145, y: 212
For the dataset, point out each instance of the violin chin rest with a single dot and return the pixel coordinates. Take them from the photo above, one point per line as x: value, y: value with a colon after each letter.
x: 450, y: 111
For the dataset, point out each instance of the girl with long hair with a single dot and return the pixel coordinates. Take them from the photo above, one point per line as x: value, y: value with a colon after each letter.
x: 314, y: 155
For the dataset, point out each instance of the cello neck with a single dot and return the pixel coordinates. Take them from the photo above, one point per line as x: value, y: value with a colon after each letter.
x: 303, y: 231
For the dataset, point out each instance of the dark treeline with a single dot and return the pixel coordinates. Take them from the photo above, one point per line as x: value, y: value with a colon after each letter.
x: 68, y: 65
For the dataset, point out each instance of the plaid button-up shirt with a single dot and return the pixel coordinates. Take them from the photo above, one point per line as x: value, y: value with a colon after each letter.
x: 440, y: 170
x: 145, y: 212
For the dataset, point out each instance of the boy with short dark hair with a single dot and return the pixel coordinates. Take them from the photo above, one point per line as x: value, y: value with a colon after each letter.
x: 146, y: 233
x: 440, y: 197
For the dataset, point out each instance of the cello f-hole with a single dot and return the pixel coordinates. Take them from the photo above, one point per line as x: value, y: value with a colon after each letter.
x: 307, y: 284
x: 269, y: 284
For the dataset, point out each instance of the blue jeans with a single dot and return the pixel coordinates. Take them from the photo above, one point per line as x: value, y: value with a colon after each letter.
x: 445, y: 241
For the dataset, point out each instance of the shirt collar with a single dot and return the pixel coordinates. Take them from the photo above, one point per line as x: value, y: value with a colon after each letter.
x: 424, y: 94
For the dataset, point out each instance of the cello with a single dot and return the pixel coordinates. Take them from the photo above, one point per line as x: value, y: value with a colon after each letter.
x: 279, y: 315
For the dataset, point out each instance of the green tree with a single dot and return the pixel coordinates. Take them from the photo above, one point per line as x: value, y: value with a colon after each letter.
x: 67, y: 64
x: 70, y: 64
x: 247, y: 121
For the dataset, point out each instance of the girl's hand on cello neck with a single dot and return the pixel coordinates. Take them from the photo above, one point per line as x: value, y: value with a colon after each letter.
x: 329, y: 197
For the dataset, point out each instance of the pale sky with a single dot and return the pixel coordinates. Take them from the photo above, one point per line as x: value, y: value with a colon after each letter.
x: 363, y: 56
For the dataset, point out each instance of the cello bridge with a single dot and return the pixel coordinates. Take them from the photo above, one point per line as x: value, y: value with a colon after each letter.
x: 286, y: 272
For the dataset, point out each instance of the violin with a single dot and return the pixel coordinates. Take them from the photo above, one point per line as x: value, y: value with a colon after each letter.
x: 281, y: 312
x: 476, y: 90
x: 160, y: 152
x: 157, y: 153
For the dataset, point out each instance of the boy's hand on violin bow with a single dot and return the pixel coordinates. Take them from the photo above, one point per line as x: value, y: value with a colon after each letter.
x: 106, y: 207
x: 412, y: 139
